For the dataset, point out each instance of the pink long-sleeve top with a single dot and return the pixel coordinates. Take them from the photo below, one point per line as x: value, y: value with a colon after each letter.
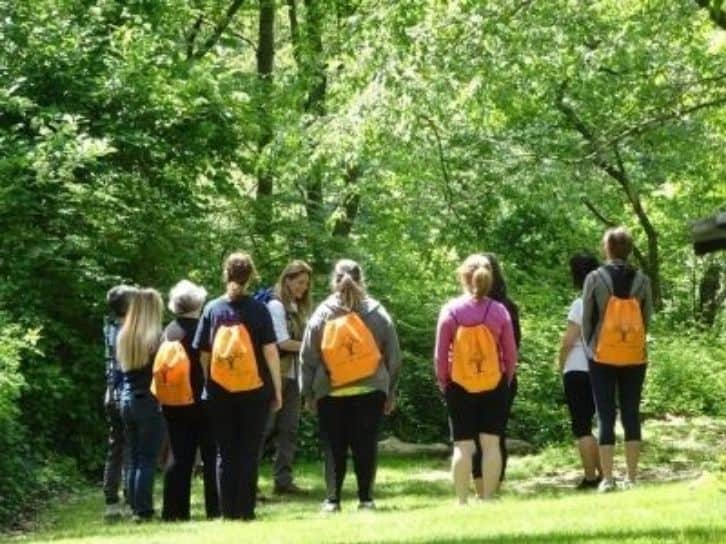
x: 468, y: 311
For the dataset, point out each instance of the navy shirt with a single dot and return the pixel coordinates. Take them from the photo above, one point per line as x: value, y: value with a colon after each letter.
x: 247, y: 311
x: 111, y: 328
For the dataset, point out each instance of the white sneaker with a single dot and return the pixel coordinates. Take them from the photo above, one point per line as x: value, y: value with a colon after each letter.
x: 627, y: 484
x: 366, y: 505
x: 330, y: 507
x: 606, y: 486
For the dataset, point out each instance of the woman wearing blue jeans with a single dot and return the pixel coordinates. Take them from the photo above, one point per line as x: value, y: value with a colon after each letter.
x: 138, y: 341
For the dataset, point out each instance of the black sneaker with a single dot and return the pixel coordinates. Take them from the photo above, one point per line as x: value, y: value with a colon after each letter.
x: 588, y: 484
x: 289, y: 489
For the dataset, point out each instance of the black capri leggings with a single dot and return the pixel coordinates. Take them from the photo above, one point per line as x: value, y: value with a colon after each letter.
x: 580, y: 401
x: 628, y: 380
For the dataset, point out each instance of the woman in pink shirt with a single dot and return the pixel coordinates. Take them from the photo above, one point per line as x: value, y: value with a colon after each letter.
x: 475, y: 358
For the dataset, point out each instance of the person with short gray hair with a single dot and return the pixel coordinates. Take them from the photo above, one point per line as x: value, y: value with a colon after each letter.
x: 188, y: 426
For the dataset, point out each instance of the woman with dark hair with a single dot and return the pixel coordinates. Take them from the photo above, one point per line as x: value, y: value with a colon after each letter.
x: 576, y: 377
x: 238, y: 350
x: 498, y: 292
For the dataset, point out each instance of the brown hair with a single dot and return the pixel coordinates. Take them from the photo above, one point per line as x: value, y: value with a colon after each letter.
x: 618, y: 243
x: 291, y: 271
x: 475, y: 274
x: 348, y: 283
x: 238, y: 271
x: 140, y: 334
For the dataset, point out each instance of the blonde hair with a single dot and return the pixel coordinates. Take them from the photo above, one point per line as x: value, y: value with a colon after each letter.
x: 186, y: 297
x: 141, y: 331
x: 348, y: 283
x: 291, y: 271
x: 475, y: 275
x: 239, y: 269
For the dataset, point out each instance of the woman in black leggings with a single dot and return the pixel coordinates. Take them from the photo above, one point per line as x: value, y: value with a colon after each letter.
x: 616, y: 283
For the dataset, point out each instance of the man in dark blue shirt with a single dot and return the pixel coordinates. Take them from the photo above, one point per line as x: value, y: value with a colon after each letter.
x: 118, y: 299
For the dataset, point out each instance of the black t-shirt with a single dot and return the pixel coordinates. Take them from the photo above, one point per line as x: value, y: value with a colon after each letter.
x: 247, y: 311
x: 183, y: 329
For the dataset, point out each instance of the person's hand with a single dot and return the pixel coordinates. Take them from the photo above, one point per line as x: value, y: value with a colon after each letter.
x: 108, y: 398
x: 390, y: 405
x: 311, y: 406
x: 276, y: 402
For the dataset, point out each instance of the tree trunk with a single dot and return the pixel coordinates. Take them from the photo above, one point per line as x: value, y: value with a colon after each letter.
x: 265, y: 63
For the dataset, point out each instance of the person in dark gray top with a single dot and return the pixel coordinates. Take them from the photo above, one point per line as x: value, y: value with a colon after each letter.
x: 350, y: 413
x: 615, y: 279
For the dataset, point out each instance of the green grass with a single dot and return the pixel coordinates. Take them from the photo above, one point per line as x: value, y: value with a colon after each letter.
x: 416, y: 505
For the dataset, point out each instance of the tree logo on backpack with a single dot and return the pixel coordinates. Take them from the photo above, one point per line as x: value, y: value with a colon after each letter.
x: 350, y: 345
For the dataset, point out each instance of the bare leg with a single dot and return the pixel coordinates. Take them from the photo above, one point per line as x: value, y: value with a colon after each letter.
x: 632, y: 454
x: 606, y: 461
x: 589, y: 456
x: 461, y: 468
x: 491, y: 464
x: 479, y: 487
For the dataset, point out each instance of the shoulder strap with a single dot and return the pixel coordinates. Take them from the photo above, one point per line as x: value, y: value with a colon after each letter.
x: 604, y: 277
x: 486, y: 311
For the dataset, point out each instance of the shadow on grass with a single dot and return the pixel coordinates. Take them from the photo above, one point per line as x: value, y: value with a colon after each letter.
x: 687, y: 534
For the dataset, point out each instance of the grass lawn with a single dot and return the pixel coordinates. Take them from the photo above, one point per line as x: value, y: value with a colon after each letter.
x: 415, y: 504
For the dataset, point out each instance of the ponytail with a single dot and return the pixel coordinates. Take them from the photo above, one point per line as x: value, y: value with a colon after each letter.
x: 476, y: 276
x: 481, y: 282
x: 238, y: 271
x: 348, y: 283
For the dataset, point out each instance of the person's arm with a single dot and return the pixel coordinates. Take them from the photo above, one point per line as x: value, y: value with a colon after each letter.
x: 202, y: 341
x: 312, y: 359
x: 204, y: 359
x: 572, y: 334
x: 444, y: 336
x: 279, y: 322
x: 272, y: 358
x: 588, y: 306
x: 508, y: 346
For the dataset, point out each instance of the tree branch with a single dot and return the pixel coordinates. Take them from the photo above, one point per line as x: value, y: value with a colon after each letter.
x: 219, y: 29
x: 192, y: 38
x: 715, y: 11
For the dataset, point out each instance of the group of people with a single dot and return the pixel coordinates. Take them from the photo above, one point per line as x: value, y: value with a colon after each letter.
x: 221, y: 377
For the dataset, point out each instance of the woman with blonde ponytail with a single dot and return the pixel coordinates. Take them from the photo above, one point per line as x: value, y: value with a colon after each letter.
x: 237, y: 349
x: 138, y: 341
x: 350, y: 366
x: 475, y: 357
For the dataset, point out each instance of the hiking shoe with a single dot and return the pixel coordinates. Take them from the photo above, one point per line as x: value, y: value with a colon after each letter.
x: 366, y: 505
x: 113, y: 512
x: 606, y: 486
x: 289, y: 489
x: 330, y: 507
x: 588, y: 484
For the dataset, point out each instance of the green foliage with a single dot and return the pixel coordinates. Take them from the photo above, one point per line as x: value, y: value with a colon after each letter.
x: 133, y: 138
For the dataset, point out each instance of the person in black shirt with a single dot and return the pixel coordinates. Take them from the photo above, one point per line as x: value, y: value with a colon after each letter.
x: 188, y: 425
x: 234, y: 333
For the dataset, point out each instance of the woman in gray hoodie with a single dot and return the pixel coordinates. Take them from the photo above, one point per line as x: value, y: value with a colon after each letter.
x: 350, y: 367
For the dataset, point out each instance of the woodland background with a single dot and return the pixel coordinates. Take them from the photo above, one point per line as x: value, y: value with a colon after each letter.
x: 142, y: 141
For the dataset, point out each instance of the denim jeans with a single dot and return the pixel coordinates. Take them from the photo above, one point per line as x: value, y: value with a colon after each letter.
x: 143, y: 424
x: 117, y: 453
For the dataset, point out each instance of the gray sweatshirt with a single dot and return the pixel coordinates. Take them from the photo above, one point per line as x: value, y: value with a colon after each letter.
x: 315, y: 378
x: 598, y: 288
